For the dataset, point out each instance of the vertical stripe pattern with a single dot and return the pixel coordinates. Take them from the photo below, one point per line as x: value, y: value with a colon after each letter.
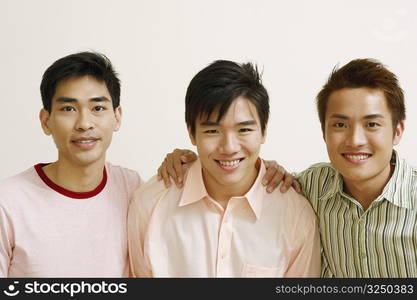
x: 378, y: 242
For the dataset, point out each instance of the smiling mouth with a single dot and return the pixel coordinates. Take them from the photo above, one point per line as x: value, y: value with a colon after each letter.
x: 356, y: 158
x: 87, y: 143
x: 229, y: 164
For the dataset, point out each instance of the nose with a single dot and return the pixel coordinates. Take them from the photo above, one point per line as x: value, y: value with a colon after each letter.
x: 229, y: 144
x: 356, y: 137
x: 84, y: 121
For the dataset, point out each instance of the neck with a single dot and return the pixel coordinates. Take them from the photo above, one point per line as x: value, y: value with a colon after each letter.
x: 365, y: 192
x: 222, y: 192
x: 76, y: 178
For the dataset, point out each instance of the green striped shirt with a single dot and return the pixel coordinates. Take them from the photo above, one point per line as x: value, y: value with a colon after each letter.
x: 378, y: 242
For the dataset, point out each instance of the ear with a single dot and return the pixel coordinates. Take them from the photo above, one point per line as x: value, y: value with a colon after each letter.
x: 118, y: 115
x: 398, y: 132
x: 192, y: 137
x: 44, y: 118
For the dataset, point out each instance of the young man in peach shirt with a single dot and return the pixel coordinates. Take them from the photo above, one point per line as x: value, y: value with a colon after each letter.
x: 222, y: 222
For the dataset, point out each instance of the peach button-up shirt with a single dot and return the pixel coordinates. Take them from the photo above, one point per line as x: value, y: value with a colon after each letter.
x: 185, y: 233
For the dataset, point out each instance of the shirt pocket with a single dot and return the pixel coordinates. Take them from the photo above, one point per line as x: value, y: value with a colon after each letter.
x: 259, y: 271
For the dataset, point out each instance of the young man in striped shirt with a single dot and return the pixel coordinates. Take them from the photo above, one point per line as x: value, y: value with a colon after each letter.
x: 366, y: 198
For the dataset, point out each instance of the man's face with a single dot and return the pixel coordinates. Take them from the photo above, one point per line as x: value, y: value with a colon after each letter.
x: 82, y: 120
x: 359, y: 134
x: 229, y: 149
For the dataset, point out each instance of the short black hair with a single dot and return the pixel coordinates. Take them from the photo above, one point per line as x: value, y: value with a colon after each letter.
x: 80, y: 64
x: 217, y: 85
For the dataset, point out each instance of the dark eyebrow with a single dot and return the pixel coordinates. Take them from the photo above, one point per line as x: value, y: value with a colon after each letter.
x: 209, y: 123
x: 339, y: 116
x: 71, y: 100
x: 243, y: 123
x: 66, y: 99
x: 374, y: 116
x: 247, y: 123
x: 100, y: 99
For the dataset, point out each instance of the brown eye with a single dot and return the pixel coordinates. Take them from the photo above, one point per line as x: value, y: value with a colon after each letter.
x: 373, y: 125
x: 68, y: 108
x: 211, y: 131
x: 339, y: 125
x: 99, y: 108
x: 245, y: 129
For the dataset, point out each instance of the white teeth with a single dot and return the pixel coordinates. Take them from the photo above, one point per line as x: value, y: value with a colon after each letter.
x: 357, y: 157
x: 229, y: 163
x: 84, y: 141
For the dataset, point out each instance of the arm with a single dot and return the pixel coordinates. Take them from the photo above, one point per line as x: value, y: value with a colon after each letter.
x: 326, y: 272
x: 177, y: 162
x: 136, y: 229
x: 307, y: 262
x: 6, y: 251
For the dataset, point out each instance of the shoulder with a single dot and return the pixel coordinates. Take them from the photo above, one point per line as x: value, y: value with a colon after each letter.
x: 407, y: 178
x: 297, y: 205
x: 148, y: 194
x: 318, y: 169
x: 408, y: 170
x: 18, y: 192
x: 19, y: 183
x: 127, y: 178
x: 122, y: 172
x: 318, y: 179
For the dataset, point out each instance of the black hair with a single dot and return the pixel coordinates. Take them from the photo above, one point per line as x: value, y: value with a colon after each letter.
x: 80, y: 64
x: 218, y: 85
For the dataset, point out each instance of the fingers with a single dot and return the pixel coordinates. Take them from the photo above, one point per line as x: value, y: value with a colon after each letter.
x: 177, y: 167
x: 171, y: 164
x: 273, y: 176
x: 276, y: 179
x: 163, y: 174
x: 297, y: 186
x: 270, y: 171
x: 269, y: 174
x: 188, y: 156
x: 181, y: 158
x: 288, y: 180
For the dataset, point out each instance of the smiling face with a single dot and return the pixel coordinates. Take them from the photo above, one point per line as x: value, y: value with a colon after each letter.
x: 359, y: 135
x: 229, y: 149
x: 82, y: 120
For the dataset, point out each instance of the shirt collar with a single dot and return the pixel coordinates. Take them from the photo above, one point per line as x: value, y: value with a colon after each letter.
x: 195, y: 190
x: 397, y: 190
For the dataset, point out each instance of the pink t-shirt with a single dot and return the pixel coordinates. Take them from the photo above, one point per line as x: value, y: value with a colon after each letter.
x: 47, y: 231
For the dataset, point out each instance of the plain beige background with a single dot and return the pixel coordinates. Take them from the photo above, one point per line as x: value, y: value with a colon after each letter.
x: 158, y: 46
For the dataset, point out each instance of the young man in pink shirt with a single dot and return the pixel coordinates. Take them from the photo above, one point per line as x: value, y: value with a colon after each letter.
x: 67, y: 218
x: 222, y: 222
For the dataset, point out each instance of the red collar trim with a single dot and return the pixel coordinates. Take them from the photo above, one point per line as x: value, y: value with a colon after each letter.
x: 68, y: 193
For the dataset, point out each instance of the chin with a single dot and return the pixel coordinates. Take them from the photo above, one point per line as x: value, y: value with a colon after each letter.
x: 88, y: 161
x: 356, y: 176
